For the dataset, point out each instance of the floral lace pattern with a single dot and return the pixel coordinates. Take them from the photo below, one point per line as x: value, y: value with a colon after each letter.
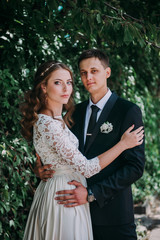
x: 58, y: 146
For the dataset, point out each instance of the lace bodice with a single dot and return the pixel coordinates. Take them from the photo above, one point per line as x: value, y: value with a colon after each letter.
x: 58, y: 146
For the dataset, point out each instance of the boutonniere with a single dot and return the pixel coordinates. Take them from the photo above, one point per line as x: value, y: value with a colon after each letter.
x: 106, y: 127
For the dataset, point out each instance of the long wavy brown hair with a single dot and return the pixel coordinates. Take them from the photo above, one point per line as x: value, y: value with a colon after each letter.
x: 34, y: 100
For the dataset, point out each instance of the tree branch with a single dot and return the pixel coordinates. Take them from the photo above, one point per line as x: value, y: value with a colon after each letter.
x: 124, y: 14
x: 134, y: 19
x: 152, y: 44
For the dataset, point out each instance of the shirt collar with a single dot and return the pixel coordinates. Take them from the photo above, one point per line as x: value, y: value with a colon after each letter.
x: 102, y: 101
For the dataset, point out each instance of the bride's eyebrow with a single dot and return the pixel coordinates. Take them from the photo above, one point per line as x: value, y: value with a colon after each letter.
x: 62, y: 79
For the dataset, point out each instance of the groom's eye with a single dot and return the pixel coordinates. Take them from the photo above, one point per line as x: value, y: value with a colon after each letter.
x: 83, y: 73
x: 94, y: 71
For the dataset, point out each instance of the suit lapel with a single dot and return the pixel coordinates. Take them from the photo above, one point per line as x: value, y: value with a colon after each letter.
x: 104, y: 115
x: 81, y: 125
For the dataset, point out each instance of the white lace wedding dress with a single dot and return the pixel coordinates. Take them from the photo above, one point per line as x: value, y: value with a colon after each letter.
x: 48, y: 220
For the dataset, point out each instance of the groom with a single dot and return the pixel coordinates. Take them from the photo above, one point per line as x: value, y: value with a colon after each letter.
x: 109, y: 192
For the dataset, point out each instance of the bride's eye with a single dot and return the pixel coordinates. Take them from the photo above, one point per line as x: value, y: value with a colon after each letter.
x: 69, y: 82
x: 57, y: 83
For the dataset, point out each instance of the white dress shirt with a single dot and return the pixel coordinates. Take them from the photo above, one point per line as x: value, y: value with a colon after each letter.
x: 99, y: 104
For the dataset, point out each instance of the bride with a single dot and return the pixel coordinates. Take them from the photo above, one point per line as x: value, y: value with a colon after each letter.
x: 43, y: 123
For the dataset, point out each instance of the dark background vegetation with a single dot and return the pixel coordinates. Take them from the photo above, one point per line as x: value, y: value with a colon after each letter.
x: 33, y: 31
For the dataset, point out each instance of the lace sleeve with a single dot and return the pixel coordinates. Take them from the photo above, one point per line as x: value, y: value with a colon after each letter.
x: 57, y: 138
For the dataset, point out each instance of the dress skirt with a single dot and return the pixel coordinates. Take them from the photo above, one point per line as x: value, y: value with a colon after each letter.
x: 49, y: 220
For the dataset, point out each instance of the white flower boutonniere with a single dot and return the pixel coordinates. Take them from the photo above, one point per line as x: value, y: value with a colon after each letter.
x: 106, y: 127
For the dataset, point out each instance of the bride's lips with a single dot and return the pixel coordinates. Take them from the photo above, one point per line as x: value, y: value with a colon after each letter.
x: 65, y: 96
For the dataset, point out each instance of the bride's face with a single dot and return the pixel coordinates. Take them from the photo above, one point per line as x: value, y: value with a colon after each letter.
x: 59, y: 87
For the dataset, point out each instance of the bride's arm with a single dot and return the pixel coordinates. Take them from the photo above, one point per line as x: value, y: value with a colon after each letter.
x: 56, y: 137
x: 129, y: 140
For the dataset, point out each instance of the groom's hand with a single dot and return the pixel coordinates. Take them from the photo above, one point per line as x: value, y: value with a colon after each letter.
x: 43, y: 172
x: 74, y: 197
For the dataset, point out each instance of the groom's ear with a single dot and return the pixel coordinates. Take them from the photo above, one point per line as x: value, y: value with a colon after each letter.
x: 108, y: 72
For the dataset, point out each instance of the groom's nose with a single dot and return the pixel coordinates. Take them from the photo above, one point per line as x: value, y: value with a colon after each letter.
x: 89, y: 76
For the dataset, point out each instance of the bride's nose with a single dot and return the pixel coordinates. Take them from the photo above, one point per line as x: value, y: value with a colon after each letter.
x: 64, y: 87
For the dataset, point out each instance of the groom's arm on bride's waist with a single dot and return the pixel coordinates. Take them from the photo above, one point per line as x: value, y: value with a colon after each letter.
x: 43, y: 171
x: 131, y: 170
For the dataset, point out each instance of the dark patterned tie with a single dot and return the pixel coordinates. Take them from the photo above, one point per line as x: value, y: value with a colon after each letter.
x: 92, y: 123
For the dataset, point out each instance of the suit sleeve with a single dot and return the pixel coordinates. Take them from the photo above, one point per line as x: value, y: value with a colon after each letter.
x: 133, y: 165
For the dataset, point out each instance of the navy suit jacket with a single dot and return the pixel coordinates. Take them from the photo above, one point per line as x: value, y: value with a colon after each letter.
x: 112, y: 186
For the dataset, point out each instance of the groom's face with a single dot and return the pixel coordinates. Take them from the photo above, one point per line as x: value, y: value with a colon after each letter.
x: 94, y: 76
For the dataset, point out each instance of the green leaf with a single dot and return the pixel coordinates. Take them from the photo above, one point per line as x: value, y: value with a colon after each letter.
x: 127, y: 35
x: 52, y: 4
x: 98, y: 17
x: 137, y: 34
x: 1, y: 230
x: 11, y: 223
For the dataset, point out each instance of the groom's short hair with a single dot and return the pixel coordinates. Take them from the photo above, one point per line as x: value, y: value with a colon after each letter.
x: 94, y: 53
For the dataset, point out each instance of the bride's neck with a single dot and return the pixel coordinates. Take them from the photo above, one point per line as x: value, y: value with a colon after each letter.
x: 51, y: 112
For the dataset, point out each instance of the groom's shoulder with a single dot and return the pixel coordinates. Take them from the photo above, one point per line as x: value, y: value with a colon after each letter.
x: 79, y: 108
x: 126, y: 104
x: 81, y: 105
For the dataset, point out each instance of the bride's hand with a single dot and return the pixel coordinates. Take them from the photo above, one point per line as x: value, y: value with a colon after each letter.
x: 134, y: 138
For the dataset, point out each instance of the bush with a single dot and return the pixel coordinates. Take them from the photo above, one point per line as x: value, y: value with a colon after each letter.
x: 17, y: 186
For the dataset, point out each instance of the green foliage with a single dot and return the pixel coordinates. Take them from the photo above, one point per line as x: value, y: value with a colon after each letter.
x: 9, y: 98
x: 16, y: 188
x: 149, y: 184
x: 34, y: 31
